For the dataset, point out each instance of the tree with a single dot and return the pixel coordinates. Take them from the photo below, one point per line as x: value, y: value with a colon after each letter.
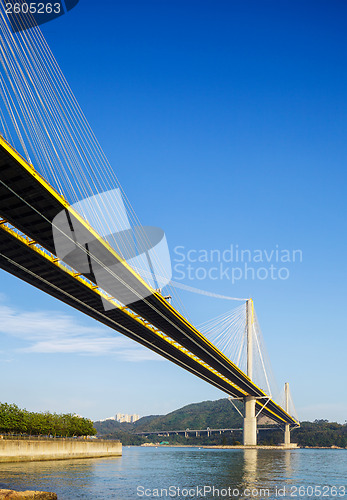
x: 15, y: 420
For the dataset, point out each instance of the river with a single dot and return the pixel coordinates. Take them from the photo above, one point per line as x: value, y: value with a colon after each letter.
x: 188, y: 473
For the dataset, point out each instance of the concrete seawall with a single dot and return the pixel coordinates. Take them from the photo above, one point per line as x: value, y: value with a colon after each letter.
x: 27, y: 450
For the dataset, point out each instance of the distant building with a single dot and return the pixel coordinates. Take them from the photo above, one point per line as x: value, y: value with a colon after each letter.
x: 124, y: 417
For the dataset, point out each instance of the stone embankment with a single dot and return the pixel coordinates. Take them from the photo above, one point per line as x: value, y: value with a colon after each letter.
x: 28, y: 450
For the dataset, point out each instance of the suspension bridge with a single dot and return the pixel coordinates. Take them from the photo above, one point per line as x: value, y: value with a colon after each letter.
x: 50, y: 160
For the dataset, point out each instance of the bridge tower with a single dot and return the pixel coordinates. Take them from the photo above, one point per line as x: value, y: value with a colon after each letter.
x: 287, y: 426
x: 249, y: 420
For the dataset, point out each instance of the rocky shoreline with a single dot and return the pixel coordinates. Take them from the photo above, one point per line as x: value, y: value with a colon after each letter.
x: 27, y: 495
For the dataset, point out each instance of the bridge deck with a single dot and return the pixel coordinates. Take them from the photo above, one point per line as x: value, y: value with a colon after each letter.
x: 30, y: 204
x: 27, y: 261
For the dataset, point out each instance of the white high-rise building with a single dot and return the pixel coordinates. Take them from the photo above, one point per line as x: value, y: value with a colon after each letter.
x: 124, y: 417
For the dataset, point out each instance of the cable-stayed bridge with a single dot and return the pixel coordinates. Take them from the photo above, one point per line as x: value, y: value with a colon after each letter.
x: 94, y: 276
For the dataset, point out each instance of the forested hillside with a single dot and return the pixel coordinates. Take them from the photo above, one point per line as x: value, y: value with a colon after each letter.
x: 214, y: 414
x: 219, y: 414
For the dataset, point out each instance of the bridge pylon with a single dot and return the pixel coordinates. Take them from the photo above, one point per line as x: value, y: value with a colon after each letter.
x: 250, y: 419
x: 287, y: 426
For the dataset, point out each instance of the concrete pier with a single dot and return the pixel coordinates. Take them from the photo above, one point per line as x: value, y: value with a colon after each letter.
x: 287, y: 426
x: 250, y: 420
x: 287, y: 443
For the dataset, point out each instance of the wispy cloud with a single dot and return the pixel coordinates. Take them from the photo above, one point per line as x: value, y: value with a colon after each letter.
x: 55, y: 332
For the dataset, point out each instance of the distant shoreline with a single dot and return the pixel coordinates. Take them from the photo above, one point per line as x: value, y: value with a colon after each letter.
x: 236, y: 447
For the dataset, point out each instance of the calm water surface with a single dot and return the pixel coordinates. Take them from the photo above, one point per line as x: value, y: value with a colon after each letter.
x: 144, y: 472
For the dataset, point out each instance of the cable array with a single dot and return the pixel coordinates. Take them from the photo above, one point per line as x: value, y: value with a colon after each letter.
x: 262, y: 370
x: 41, y: 113
x: 228, y: 332
x: 291, y: 407
x: 41, y: 118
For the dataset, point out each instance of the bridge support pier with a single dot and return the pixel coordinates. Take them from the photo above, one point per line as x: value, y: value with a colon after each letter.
x: 249, y: 422
x: 287, y: 426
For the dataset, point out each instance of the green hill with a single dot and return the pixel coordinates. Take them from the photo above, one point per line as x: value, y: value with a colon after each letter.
x: 108, y: 426
x: 214, y: 414
x: 218, y: 414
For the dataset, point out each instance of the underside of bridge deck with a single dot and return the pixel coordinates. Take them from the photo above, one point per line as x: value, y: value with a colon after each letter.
x: 30, y: 205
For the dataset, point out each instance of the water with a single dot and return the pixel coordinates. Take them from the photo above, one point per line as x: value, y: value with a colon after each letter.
x: 142, y: 472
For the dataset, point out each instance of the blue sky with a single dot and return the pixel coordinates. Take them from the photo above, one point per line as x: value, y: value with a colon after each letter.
x: 225, y: 123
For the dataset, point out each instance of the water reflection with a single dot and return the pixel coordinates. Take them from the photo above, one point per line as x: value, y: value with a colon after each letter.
x: 118, y: 478
x: 250, y: 468
x: 77, y: 475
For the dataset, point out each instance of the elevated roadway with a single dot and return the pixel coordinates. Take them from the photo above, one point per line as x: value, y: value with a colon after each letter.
x: 28, y: 208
